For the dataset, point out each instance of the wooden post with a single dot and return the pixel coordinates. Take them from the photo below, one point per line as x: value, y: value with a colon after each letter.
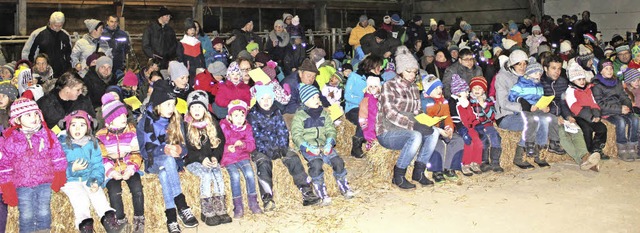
x: 21, y: 28
x: 199, y: 12
x: 320, y: 16
x: 407, y: 9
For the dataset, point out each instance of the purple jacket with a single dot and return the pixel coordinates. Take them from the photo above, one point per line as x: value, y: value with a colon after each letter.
x: 232, y: 134
x: 27, y: 166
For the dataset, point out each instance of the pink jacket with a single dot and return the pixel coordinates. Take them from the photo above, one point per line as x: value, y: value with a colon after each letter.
x: 368, y: 112
x: 30, y: 166
x: 232, y: 134
x: 229, y: 92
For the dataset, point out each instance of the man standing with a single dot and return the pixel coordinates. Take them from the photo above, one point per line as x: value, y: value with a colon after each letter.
x: 53, y: 41
x: 242, y: 37
x: 159, y: 39
x: 583, y: 27
x: 118, y: 41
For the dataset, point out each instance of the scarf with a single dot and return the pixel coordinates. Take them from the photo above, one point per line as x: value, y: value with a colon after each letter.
x: 81, y: 141
x: 314, y: 112
x: 443, y: 35
x: 443, y: 65
x: 198, y: 124
x: 608, y: 82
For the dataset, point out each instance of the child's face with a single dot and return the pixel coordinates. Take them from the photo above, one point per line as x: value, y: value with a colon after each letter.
x: 334, y: 81
x: 237, y: 117
x: 266, y: 102
x: 607, y: 72
x: 119, y: 123
x: 191, y: 32
x: 197, y: 111
x: 254, y: 52
x: 218, y: 47
x: 130, y: 88
x: 346, y: 72
x: 6, y: 74
x: 373, y: 90
x: 166, y: 108
x: 313, y: 102
x: 580, y: 82
x: 454, y: 53
x: 78, y: 128
x: 436, y: 93
x: 30, y: 120
x: 635, y: 84
x: 4, y: 101
x: 234, y: 78
x: 535, y: 77
x: 477, y: 91
x: 513, y: 31
x: 181, y: 82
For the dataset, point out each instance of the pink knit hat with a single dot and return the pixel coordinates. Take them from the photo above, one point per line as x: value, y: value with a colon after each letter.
x: 237, y: 105
x: 130, y: 79
x: 23, y: 106
x: 78, y: 114
x: 111, y: 108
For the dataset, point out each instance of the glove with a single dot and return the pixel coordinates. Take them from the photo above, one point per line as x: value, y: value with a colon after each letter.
x: 9, y: 194
x: 423, y: 129
x: 287, y: 89
x: 59, y: 178
x: 328, y: 146
x: 279, y: 153
x: 311, y: 150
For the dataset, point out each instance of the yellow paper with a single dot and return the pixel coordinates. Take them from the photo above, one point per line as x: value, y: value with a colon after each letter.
x: 429, y: 120
x: 259, y: 76
x: 56, y: 129
x: 335, y: 111
x: 134, y: 102
x: 544, y: 102
x: 181, y: 106
x: 253, y: 102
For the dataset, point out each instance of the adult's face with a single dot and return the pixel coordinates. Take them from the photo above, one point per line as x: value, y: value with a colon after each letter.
x: 112, y: 23
x: 41, y: 65
x: 441, y: 27
x: 520, y: 68
x: 585, y: 16
x: 307, y: 77
x: 409, y: 75
x: 98, y: 32
x: 71, y: 92
x: 278, y: 28
x: 624, y: 56
x: 104, y: 70
x: 249, y: 26
x: 440, y: 57
x: 56, y: 26
x: 467, y: 61
x: 164, y: 19
x: 364, y: 24
x: 245, y: 67
x: 554, y: 70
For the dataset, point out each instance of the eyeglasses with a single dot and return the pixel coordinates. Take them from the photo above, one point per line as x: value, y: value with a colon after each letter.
x: 467, y: 59
x: 245, y: 69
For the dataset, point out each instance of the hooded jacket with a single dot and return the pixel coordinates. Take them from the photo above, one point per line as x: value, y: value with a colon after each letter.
x: 89, y: 152
x: 57, y: 45
x: 232, y: 134
x: 581, y: 102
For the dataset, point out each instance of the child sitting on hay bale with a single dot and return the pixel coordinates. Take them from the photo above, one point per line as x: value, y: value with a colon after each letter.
x: 272, y: 142
x: 368, y: 110
x: 633, y: 87
x: 485, y: 111
x: 86, y: 174
x: 160, y: 135
x: 33, y: 163
x: 311, y: 127
x: 237, y: 148
x: 205, y: 142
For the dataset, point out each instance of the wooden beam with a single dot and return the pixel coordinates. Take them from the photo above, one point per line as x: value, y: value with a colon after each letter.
x: 22, y: 17
x: 167, y: 3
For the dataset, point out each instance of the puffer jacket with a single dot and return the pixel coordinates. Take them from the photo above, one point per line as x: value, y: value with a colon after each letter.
x: 368, y: 113
x: 160, y: 42
x: 438, y: 108
x: 57, y: 45
x: 610, y: 98
x: 228, y: 92
x: 354, y: 90
x: 269, y: 130
x: 120, y: 43
x: 86, y: 46
x: 55, y: 110
x: 357, y: 33
x: 293, y: 58
x: 371, y: 46
x: 581, y: 102
x: 31, y: 162
x: 89, y: 152
x: 314, y: 131
x: 557, y: 88
x: 527, y: 90
x: 232, y: 134
x: 120, y: 150
x: 465, y: 73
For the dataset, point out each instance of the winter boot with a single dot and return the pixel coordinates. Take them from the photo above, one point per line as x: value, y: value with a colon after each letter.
x: 485, y: 166
x: 531, y: 148
x: 466, y: 170
x: 400, y: 180
x: 254, y: 206
x: 418, y: 174
x: 220, y: 208
x: 450, y: 174
x: 519, y: 161
x: 86, y: 226
x: 207, y: 214
x: 138, y: 224
x: 110, y: 223
x: 356, y: 147
x: 631, y: 149
x: 495, y: 159
x: 268, y: 203
x: 599, y: 148
x: 438, y: 177
x: 541, y: 162
x: 345, y: 190
x: 623, y: 153
x: 321, y: 190
x: 308, y: 196
x: 591, y: 161
x: 556, y: 148
x: 238, y: 207
x: 172, y: 221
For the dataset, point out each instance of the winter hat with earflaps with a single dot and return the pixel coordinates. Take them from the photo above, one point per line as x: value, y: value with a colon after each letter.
x: 429, y: 83
x: 79, y: 114
x: 112, y: 108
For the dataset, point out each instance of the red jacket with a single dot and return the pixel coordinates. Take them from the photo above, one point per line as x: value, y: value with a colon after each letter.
x: 581, y: 102
x: 229, y: 92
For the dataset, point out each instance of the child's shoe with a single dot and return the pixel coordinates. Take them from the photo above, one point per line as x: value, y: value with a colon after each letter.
x: 220, y: 208
x: 253, y: 204
x: 86, y: 226
x: 438, y: 177
x: 556, y: 148
x: 138, y: 224
x: 475, y: 168
x: 268, y: 203
x: 207, y: 213
x: 238, y: 208
x: 321, y: 189
x: 172, y: 221
x: 308, y: 196
x: 466, y: 170
x: 174, y: 227
x: 450, y: 174
x: 345, y: 190
x: 187, y: 218
x: 110, y: 223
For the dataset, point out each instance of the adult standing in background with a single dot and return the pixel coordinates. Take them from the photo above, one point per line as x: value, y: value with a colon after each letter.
x: 119, y: 42
x: 242, y: 37
x: 584, y: 26
x: 89, y: 44
x: 359, y: 31
x: 53, y: 41
x: 159, y: 39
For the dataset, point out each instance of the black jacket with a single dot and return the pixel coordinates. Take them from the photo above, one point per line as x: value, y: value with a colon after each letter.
x: 96, y: 86
x: 293, y: 58
x: 557, y: 88
x: 205, y: 151
x: 240, y: 41
x: 55, y: 109
x: 160, y: 42
x: 57, y: 45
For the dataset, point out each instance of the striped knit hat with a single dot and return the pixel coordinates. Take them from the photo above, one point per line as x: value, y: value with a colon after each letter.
x: 458, y: 85
x: 307, y: 91
x: 631, y: 75
x: 111, y: 108
x: 478, y: 81
x: 23, y: 106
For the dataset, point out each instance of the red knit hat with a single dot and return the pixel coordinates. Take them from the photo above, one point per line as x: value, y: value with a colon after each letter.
x: 478, y: 81
x: 130, y: 79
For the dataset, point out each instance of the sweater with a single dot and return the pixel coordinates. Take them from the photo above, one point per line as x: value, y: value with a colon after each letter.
x: 504, y: 81
x: 232, y: 134
x: 269, y: 130
x: 89, y: 152
x: 120, y: 150
x: 367, y: 114
x: 581, y: 102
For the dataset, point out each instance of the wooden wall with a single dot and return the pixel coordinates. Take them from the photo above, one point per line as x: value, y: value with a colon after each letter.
x: 480, y: 14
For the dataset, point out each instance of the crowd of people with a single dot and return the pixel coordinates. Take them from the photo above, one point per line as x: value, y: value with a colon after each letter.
x: 74, y: 118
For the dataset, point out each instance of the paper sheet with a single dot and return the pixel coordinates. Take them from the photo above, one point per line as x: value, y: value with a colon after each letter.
x: 181, y: 106
x: 335, y: 111
x: 259, y: 76
x: 56, y: 129
x: 544, y: 102
x: 429, y: 120
x: 133, y: 101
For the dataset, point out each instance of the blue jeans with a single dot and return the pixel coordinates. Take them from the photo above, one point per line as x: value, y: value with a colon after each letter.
x: 315, y: 163
x: 208, y: 177
x: 489, y: 136
x: 536, y: 127
x: 234, y: 176
x: 34, y: 206
x: 410, y: 143
x: 624, y: 135
x: 512, y: 122
x: 169, y: 179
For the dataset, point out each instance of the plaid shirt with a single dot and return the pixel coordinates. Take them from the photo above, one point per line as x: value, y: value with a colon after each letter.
x: 398, y: 104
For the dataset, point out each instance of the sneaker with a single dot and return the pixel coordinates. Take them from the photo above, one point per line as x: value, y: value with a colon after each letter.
x: 173, y: 227
x: 138, y: 224
x: 556, y: 148
x: 269, y: 204
x: 475, y: 168
x: 438, y: 177
x: 466, y: 170
x: 485, y: 167
x: 450, y: 174
x: 345, y: 190
x: 187, y: 218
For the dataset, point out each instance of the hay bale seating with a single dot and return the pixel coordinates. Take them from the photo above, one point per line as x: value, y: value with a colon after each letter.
x: 376, y: 167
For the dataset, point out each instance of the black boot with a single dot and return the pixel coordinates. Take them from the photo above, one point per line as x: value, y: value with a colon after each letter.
x: 518, y: 159
x: 356, y: 147
x: 540, y: 162
x: 495, y: 159
x: 418, y: 174
x: 438, y: 177
x: 485, y: 166
x: 400, y: 180
x: 308, y: 196
x: 530, y: 148
x: 172, y: 221
x: 602, y: 155
x: 86, y: 226
x: 269, y: 204
x: 110, y: 223
x: 555, y: 147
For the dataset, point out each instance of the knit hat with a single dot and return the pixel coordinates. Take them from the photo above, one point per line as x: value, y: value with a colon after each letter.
x: 104, y: 60
x: 285, y: 16
x: 622, y: 48
x: 91, y: 58
x: 430, y: 83
x: 162, y: 92
x: 22, y: 106
x: 590, y: 37
x: 92, y: 24
x: 130, y: 79
x: 198, y: 97
x: 635, y: 51
x: 395, y: 18
x: 177, y: 70
x: 584, y: 53
x: 271, y: 72
x: 363, y: 18
x: 78, y: 114
x: 533, y: 67
x: 217, y: 69
x: 405, y: 60
x: 9, y: 90
x: 217, y: 40
x: 163, y: 11
x: 252, y: 46
x: 453, y: 47
x: 233, y: 68
x: 386, y: 19
x: 508, y: 43
x: 458, y: 85
x: 575, y: 72
x: 608, y: 50
x: 246, y: 55
x: 295, y: 21
x: 237, y: 105
x: 279, y: 22
x: 512, y: 26
x: 441, y: 22
x: 262, y: 58
x: 517, y: 56
x: 381, y: 33
x: 307, y: 91
x: 478, y: 81
x: 466, y: 27
x: 308, y: 65
x: 262, y: 90
x: 112, y: 108
x: 428, y: 52
x: 9, y: 67
x: 536, y: 28
x: 317, y: 54
x: 417, y: 18
x: 115, y: 89
x: 565, y: 46
x: 188, y: 23
x: 604, y: 64
x: 496, y: 50
x: 373, y: 81
x: 543, y: 48
x: 631, y: 75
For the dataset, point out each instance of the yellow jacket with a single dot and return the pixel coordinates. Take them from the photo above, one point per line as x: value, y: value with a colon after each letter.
x: 357, y: 33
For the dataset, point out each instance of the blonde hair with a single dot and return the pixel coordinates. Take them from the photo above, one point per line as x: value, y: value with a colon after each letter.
x: 210, y: 131
x: 56, y: 17
x: 174, y: 134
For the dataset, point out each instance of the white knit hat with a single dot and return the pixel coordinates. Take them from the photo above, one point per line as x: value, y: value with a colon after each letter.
x: 517, y: 56
x: 508, y: 43
x: 405, y: 60
x: 575, y: 72
x: 565, y: 46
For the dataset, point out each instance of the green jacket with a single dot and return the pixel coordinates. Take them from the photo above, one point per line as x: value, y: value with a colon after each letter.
x: 315, y: 132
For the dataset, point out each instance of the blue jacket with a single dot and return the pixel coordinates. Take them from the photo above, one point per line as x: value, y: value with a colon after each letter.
x: 207, y: 50
x: 354, y: 90
x: 91, y: 153
x: 527, y: 90
x: 269, y: 131
x: 151, y: 132
x: 220, y: 56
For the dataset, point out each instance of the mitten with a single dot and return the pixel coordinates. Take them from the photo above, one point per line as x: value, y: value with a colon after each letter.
x: 59, y: 179
x: 287, y: 88
x: 328, y: 146
x: 311, y: 150
x: 9, y: 194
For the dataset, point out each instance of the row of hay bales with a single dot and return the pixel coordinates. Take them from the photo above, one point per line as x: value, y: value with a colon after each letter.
x: 377, y: 168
